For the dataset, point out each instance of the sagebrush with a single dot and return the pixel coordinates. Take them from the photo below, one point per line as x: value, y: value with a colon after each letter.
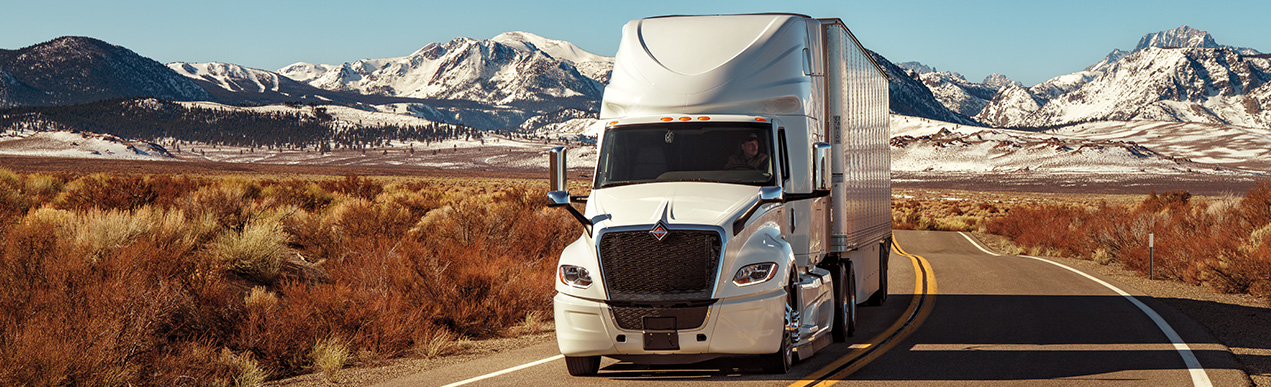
x: 188, y: 280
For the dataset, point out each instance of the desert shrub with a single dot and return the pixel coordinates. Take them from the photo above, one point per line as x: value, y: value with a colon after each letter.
x: 329, y: 356
x: 256, y: 252
x: 313, y: 235
x: 1218, y: 242
x: 1256, y: 206
x: 201, y: 364
x: 230, y: 203
x: 10, y: 180
x: 185, y: 281
x: 1051, y: 227
x: 941, y: 214
x: 124, y: 192
x: 89, y: 322
x: 352, y: 185
x: 97, y: 232
x: 1172, y: 200
x: 42, y: 188
x: 302, y: 194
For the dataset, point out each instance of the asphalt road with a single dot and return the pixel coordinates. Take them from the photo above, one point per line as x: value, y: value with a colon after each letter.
x: 956, y: 315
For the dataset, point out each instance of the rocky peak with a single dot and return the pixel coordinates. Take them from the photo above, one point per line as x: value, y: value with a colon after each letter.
x: 1000, y: 81
x: 1182, y: 36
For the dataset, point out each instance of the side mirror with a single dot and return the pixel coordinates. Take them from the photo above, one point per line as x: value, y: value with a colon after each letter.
x: 559, y: 194
x: 556, y: 162
x: 821, y: 173
x: 771, y: 195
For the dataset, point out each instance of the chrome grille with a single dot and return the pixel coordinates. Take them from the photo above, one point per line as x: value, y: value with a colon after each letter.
x: 681, y: 267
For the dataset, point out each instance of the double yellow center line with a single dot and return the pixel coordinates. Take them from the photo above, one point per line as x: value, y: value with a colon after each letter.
x: 919, y: 308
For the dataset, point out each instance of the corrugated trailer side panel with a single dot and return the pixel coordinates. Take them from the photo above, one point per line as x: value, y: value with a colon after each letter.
x: 859, y: 130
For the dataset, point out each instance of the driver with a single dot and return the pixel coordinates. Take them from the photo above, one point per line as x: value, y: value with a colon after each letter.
x: 748, y: 156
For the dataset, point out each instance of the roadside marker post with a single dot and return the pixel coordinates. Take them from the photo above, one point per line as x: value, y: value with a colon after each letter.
x: 1151, y: 256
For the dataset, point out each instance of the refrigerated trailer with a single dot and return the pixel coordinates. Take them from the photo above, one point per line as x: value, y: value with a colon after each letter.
x: 741, y: 199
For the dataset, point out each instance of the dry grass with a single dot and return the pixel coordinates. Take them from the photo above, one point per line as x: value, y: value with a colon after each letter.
x: 329, y: 356
x: 173, y: 280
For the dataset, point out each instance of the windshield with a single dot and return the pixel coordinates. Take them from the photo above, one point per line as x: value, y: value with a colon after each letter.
x: 723, y: 152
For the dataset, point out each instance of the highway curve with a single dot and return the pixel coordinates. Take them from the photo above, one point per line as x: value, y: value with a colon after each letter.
x: 957, y: 315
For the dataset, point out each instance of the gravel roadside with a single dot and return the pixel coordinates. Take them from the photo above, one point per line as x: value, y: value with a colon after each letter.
x: 385, y: 370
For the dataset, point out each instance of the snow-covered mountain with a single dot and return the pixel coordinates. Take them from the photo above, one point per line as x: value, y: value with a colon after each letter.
x: 231, y: 83
x: 516, y: 68
x: 909, y: 96
x: 1180, y: 75
x: 1011, y: 104
x: 958, y: 94
x: 75, y: 69
x: 592, y: 66
x: 955, y: 92
x: 1209, y: 85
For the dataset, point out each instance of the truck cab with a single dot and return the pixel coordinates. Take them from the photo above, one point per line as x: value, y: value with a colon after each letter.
x: 711, y: 227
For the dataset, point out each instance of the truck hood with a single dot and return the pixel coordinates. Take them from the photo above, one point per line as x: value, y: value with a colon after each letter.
x: 672, y: 203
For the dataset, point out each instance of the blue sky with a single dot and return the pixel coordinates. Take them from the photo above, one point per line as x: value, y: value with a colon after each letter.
x: 1029, y: 41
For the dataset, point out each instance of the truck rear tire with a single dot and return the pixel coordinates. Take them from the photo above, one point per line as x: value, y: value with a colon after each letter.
x: 844, y: 277
x: 884, y: 256
x: 582, y: 365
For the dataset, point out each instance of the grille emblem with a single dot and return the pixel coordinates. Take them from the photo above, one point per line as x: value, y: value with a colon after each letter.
x: 659, y: 231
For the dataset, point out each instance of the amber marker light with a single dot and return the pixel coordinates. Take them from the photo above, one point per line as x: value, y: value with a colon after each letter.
x: 685, y: 118
x: 704, y: 118
x: 761, y: 119
x: 667, y: 118
x: 612, y: 123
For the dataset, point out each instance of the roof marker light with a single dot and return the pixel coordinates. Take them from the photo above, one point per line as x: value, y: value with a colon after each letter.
x: 667, y: 118
x: 685, y: 118
x: 761, y: 119
x: 612, y: 123
x: 704, y: 118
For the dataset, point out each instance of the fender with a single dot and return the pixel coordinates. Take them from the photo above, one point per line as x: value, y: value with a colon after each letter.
x: 582, y: 252
x: 761, y: 242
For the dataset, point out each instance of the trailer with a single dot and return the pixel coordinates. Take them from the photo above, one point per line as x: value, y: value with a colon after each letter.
x: 741, y: 198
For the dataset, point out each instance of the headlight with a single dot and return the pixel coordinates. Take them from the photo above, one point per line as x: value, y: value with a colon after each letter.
x: 575, y: 276
x: 755, y: 274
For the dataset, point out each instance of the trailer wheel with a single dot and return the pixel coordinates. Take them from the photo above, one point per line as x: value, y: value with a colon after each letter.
x: 781, y: 361
x: 844, y: 278
x: 884, y: 256
x: 582, y: 365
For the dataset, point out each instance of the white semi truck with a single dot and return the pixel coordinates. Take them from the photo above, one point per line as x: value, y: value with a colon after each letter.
x: 741, y: 201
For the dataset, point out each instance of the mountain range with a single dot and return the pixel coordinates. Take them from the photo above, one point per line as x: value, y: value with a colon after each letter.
x: 524, y: 82
x: 1179, y: 75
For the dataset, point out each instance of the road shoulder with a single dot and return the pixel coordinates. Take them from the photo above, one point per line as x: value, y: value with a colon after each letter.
x: 1237, y: 321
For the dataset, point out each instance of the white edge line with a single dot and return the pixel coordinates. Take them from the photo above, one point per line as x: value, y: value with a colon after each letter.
x: 1199, y: 377
x: 509, y: 370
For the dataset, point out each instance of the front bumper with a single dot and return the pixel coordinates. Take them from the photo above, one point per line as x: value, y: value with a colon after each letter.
x: 737, y: 326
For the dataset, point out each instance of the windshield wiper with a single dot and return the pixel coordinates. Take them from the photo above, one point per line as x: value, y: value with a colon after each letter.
x: 621, y: 183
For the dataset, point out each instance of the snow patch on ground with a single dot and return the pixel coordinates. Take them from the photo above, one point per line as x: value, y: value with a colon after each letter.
x: 78, y: 145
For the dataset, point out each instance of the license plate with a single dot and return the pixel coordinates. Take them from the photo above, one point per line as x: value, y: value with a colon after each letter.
x: 661, y: 341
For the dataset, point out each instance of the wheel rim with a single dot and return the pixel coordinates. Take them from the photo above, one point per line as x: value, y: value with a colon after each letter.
x: 791, y: 319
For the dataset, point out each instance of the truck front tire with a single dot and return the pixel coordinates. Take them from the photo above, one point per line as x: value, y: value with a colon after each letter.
x: 781, y: 361
x: 582, y: 365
